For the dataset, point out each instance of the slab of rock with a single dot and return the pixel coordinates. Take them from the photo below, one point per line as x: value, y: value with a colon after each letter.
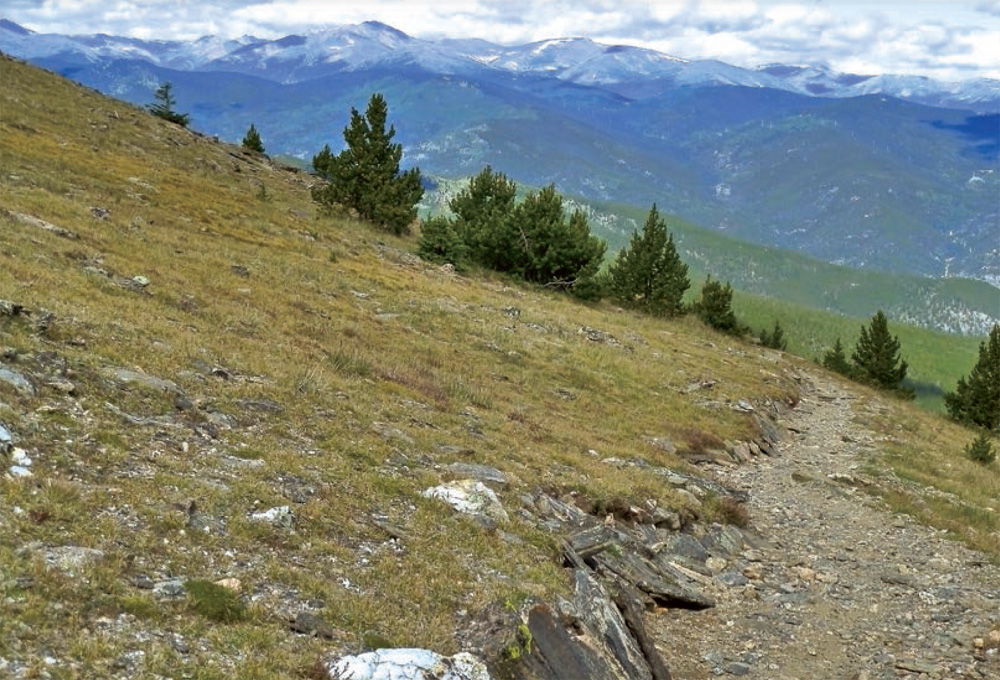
x: 19, y: 471
x: 558, y: 655
x: 483, y: 473
x: 16, y: 380
x: 652, y: 581
x: 592, y: 540
x: 123, y: 375
x: 629, y: 604
x: 33, y: 221
x: 470, y: 496
x: 6, y: 439
x: 407, y: 664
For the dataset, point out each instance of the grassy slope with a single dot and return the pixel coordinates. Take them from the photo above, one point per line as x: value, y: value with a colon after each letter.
x: 816, y: 302
x: 379, y: 362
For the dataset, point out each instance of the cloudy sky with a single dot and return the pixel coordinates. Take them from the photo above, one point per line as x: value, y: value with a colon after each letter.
x: 950, y: 39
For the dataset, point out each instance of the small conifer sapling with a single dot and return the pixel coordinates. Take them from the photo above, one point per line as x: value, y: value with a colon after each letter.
x: 164, y: 106
x: 252, y: 140
x: 981, y: 449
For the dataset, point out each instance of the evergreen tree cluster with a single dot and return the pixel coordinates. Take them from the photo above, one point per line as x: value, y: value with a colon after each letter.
x: 976, y: 399
x: 532, y: 239
x: 775, y: 339
x: 876, y: 360
x: 365, y: 176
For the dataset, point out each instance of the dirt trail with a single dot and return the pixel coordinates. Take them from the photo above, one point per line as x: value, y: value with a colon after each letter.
x: 839, y: 587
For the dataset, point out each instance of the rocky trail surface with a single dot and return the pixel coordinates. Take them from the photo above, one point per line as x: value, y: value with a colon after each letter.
x: 838, y: 587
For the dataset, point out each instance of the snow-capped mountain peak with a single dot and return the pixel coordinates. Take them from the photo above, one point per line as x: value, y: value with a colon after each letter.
x: 298, y: 58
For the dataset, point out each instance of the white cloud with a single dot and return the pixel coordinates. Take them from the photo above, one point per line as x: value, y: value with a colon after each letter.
x: 941, y: 38
x: 989, y: 7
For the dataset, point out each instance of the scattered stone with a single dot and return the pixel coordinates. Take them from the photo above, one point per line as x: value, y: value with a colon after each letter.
x: 70, y: 558
x: 565, y: 394
x: 470, y: 496
x: 240, y: 270
x: 407, y: 664
x: 715, y: 564
x: 451, y: 450
x: 20, y: 457
x: 390, y: 433
x: 279, y: 517
x: 142, y: 582
x: 100, y: 213
x: 898, y: 579
x: 703, y: 384
x: 737, y: 668
x: 172, y: 588
x: 595, y: 335
x: 804, y: 573
x: 917, y: 666
x: 179, y: 645
x: 233, y: 584
x: 8, y: 308
x: 129, y: 660
x: 733, y: 578
x: 307, y: 623
x: 261, y: 405
x: 662, y: 444
x: 61, y: 385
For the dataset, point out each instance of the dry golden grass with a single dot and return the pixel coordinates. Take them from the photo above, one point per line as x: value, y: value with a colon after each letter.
x: 355, y: 339
x: 927, y: 474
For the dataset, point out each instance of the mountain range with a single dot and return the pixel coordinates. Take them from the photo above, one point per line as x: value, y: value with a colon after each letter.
x: 891, y: 173
x: 298, y: 58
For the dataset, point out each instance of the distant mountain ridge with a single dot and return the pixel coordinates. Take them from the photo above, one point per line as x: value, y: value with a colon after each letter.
x: 295, y: 58
x: 781, y: 155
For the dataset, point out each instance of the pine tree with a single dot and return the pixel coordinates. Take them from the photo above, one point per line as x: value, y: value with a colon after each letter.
x: 547, y: 248
x: 164, y: 106
x: 981, y: 449
x: 976, y: 399
x: 775, y: 339
x: 483, y: 219
x: 252, y: 140
x: 836, y: 360
x: 877, y: 355
x: 440, y: 243
x: 714, y: 307
x: 365, y: 176
x: 649, y: 274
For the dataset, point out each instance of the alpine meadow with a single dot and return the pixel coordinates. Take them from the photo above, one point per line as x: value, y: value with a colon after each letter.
x: 351, y: 394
